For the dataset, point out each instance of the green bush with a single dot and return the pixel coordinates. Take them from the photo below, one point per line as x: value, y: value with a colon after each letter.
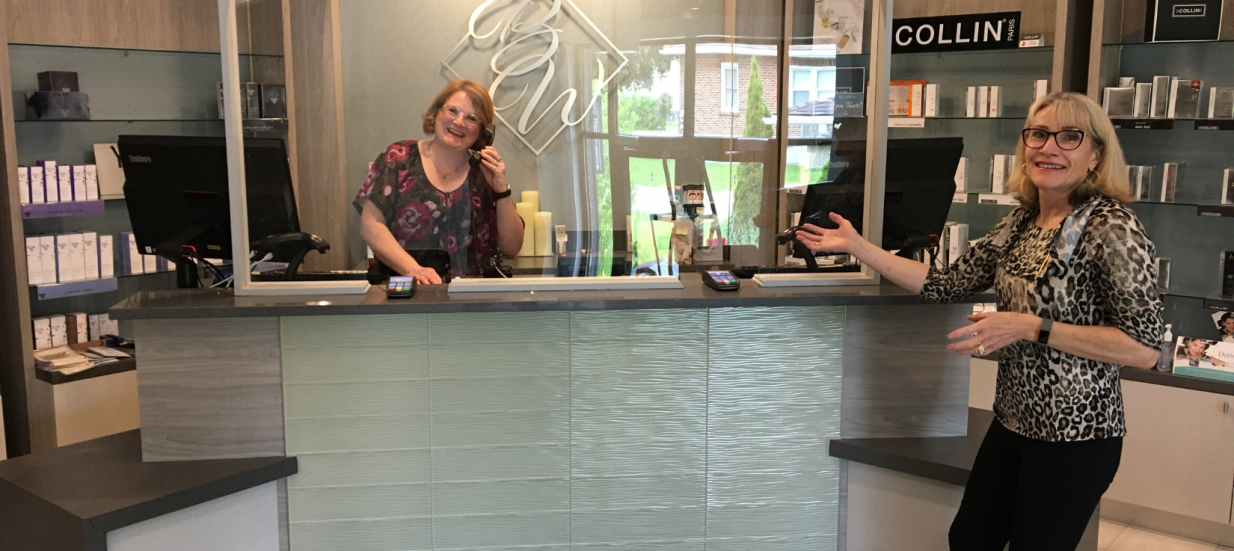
x: 638, y: 112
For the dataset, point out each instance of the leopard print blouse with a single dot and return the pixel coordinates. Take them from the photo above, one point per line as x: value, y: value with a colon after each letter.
x: 1096, y: 268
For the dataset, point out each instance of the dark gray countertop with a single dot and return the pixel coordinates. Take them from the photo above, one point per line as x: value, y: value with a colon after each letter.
x: 1166, y: 378
x: 434, y: 299
x: 70, y: 497
x: 943, y: 458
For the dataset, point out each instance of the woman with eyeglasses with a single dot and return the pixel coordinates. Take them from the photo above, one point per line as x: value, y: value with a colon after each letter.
x: 429, y: 194
x: 1075, y: 278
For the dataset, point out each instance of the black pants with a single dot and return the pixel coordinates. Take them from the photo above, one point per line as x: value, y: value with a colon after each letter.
x: 1038, y: 495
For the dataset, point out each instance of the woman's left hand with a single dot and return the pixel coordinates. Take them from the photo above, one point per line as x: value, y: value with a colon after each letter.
x: 992, y: 331
x: 493, y: 168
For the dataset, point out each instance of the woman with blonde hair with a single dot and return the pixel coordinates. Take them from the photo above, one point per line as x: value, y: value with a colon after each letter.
x: 1076, y: 280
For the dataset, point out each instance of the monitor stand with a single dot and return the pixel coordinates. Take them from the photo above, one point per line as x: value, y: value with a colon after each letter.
x: 186, y: 273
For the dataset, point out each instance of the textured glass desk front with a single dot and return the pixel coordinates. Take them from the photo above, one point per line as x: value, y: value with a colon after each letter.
x: 640, y: 430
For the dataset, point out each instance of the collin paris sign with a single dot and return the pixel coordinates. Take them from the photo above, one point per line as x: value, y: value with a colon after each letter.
x: 955, y: 33
x: 1183, y: 20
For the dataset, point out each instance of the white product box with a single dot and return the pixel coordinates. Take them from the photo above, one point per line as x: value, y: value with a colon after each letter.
x: 1126, y: 82
x: 961, y: 175
x: 917, y: 93
x: 63, y: 265
x: 38, y: 185
x: 34, y: 264
x: 998, y: 174
x: 1041, y: 89
x: 59, y: 330
x: 47, y: 253
x: 983, y: 101
x: 91, y: 174
x: 108, y: 326
x: 42, y: 333
x: 1227, y: 186
x: 90, y: 254
x: 150, y: 263
x: 135, y: 263
x: 79, y: 182
x: 64, y: 176
x: 76, y: 258
x: 970, y: 102
x: 931, y: 100
x: 23, y: 184
x: 957, y: 241
x: 1143, y: 99
x: 78, y: 327
x: 1169, y: 181
x: 107, y: 258
x: 51, y: 182
x: 94, y: 328
x: 996, y: 101
x: 1160, y: 96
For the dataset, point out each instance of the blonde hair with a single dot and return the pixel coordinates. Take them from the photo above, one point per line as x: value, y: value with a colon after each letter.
x: 1074, y: 110
x: 474, y: 90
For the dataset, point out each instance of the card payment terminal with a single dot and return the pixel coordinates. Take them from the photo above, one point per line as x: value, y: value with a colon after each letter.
x: 401, y: 287
x: 720, y: 280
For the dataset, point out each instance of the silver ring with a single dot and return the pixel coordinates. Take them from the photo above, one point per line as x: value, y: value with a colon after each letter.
x: 980, y: 349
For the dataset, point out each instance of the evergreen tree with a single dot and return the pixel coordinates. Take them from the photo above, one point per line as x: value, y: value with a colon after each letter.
x: 748, y: 180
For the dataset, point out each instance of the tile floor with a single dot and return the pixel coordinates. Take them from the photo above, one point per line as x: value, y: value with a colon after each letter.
x: 1113, y: 536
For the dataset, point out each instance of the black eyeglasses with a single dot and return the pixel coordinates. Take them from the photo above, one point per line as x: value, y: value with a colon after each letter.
x: 1066, y: 139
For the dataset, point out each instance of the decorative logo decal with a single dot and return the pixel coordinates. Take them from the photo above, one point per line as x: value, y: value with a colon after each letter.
x: 535, y: 74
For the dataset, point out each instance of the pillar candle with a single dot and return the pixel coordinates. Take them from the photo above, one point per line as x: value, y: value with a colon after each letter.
x: 529, y: 228
x: 544, y: 234
x: 532, y: 197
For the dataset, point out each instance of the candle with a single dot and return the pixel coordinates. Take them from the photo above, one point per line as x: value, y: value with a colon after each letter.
x: 529, y: 228
x: 544, y: 234
x: 532, y: 197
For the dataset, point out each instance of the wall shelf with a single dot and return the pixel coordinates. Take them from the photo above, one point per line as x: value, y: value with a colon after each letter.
x: 74, y: 288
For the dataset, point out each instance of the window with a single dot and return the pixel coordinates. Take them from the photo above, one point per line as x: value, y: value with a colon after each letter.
x: 812, y: 84
x: 728, y: 88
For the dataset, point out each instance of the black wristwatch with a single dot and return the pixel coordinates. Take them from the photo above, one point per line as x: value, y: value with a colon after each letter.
x: 1043, y: 336
x: 502, y: 195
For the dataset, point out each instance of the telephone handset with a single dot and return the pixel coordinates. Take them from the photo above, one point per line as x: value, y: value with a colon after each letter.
x: 485, y: 140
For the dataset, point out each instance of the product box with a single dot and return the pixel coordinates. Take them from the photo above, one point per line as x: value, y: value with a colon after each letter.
x: 905, y: 98
x: 135, y: 263
x: 76, y: 257
x: 1041, y: 89
x: 23, y: 184
x: 1143, y: 100
x: 1197, y: 357
x: 983, y: 101
x: 42, y: 333
x: 90, y: 254
x: 219, y: 89
x: 58, y: 81
x: 64, y: 175
x: 998, y: 174
x: 1126, y: 82
x: 38, y: 189
x: 59, y: 330
x: 78, y: 176
x: 47, y: 253
x: 957, y: 241
x: 273, y: 101
x: 92, y: 182
x: 961, y: 175
x: 1227, y: 273
x: 150, y: 263
x: 252, y: 100
x: 996, y: 101
x: 1185, y: 99
x: 77, y: 328
x: 93, y: 327
x: 1163, y: 275
x: 1135, y: 176
x: 1119, y: 102
x: 34, y: 264
x: 1160, y: 96
x: 1169, y: 181
x: 51, y: 181
x: 161, y: 263
x: 931, y: 100
x: 1227, y: 187
x: 107, y: 257
x: 57, y: 106
x: 970, y: 102
x: 1220, y: 102
x: 108, y: 326
x: 64, y: 266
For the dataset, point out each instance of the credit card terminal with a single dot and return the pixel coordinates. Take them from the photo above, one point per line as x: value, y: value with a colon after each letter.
x: 721, y: 280
x: 401, y: 287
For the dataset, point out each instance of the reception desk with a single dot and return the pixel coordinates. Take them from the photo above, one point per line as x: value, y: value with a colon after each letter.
x: 667, y: 419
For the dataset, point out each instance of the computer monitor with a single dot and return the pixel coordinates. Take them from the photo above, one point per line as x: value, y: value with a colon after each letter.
x: 176, y: 192
x: 920, y: 187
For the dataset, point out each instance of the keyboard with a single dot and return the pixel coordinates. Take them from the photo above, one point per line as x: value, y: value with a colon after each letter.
x: 330, y: 275
x: 746, y: 272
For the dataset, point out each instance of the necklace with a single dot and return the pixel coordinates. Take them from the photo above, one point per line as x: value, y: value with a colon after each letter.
x: 447, y: 175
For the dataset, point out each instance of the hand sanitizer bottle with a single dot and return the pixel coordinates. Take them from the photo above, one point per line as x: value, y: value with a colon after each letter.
x: 1165, y: 360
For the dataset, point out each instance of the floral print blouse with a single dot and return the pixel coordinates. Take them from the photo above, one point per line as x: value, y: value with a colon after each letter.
x: 1097, y: 268
x: 463, y: 222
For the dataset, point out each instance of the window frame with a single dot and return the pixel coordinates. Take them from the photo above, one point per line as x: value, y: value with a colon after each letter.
x: 725, y: 108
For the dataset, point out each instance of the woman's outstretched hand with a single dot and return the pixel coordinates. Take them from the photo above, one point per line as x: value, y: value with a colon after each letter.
x: 844, y: 239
